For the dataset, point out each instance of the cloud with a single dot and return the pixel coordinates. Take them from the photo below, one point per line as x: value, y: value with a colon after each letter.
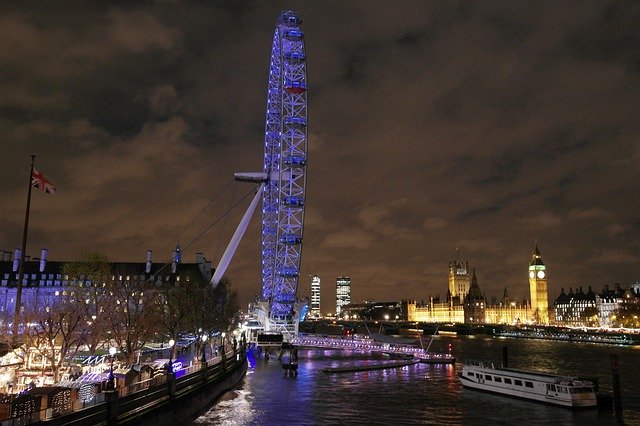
x: 138, y: 30
x: 542, y: 221
x: 382, y: 219
x: 163, y: 100
x: 588, y: 213
x: 349, y: 239
x: 421, y: 138
x: 615, y: 229
x: 433, y: 223
x: 615, y: 256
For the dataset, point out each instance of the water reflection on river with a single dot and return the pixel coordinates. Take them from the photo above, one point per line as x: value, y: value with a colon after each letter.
x: 423, y: 394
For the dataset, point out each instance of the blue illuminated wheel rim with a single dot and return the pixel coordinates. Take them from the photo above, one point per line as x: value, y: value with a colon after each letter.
x: 285, y: 159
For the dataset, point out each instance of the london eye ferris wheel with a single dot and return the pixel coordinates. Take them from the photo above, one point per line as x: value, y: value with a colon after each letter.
x: 285, y: 160
x: 282, y: 182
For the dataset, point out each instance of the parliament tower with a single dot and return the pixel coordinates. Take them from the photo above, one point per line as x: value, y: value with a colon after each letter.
x: 538, y: 288
x: 458, y: 278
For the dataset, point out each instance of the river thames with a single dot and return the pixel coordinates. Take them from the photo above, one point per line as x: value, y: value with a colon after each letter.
x: 421, y: 393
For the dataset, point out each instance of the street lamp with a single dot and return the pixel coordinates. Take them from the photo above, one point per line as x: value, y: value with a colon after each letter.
x: 171, y: 343
x: 204, y: 347
x: 112, y: 353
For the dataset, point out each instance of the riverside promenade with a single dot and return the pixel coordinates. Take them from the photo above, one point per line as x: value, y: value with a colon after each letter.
x: 166, y: 399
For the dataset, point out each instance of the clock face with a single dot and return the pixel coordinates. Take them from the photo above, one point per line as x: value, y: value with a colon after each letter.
x: 531, y: 274
x: 540, y: 274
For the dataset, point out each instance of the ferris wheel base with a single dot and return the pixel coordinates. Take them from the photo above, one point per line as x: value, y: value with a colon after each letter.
x: 270, y: 327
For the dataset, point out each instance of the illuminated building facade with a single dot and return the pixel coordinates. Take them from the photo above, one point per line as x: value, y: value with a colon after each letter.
x: 475, y: 303
x: 608, y: 302
x: 458, y: 279
x: 43, y: 279
x: 577, y: 308
x: 538, y: 288
x: 315, y: 296
x: 343, y: 293
x: 470, y: 308
x: 376, y: 311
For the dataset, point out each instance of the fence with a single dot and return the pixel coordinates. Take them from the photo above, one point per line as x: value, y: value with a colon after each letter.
x: 123, y: 404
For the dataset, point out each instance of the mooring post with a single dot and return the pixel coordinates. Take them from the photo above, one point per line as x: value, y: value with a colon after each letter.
x: 111, y: 398
x: 505, y: 357
x: 617, y: 395
x: 171, y: 382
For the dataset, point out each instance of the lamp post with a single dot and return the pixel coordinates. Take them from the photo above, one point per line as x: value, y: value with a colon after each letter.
x: 222, y: 349
x: 112, y: 354
x: 204, y: 347
x: 171, y: 343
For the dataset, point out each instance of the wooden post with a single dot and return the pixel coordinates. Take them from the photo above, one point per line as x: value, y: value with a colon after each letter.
x: 617, y: 395
x: 505, y: 357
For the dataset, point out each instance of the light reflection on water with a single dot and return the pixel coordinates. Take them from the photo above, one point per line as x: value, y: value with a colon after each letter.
x: 421, y: 394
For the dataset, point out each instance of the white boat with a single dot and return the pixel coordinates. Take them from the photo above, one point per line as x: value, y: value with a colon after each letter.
x: 548, y: 388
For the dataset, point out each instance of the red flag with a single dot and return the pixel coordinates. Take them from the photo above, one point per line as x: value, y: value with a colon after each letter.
x: 39, y: 181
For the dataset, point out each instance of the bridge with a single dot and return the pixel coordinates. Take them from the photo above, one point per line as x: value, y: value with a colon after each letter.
x: 366, y: 344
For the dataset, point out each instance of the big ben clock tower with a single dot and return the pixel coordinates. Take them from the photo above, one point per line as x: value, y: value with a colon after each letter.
x: 538, y: 288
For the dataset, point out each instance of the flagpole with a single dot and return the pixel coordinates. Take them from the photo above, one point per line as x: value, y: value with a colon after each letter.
x: 23, y: 254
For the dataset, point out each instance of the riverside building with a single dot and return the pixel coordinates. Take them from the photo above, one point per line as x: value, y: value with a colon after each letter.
x: 43, y: 280
x: 343, y: 293
x: 315, y: 296
x: 466, y: 303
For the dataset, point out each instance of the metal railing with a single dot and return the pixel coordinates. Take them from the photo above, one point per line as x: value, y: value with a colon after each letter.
x: 131, y: 394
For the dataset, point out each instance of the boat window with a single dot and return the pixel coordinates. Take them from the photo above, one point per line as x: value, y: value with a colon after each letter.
x: 518, y: 382
x: 507, y: 380
x: 469, y: 373
x: 528, y: 384
x: 488, y: 377
x: 498, y: 379
x: 552, y: 388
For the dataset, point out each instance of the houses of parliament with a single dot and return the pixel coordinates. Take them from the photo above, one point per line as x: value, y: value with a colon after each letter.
x: 465, y: 302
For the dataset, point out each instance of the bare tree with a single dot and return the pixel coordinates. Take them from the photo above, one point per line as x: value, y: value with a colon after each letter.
x: 133, y: 318
x: 56, y: 331
x: 5, y: 336
x: 213, y: 308
x: 91, y: 280
x: 175, y: 305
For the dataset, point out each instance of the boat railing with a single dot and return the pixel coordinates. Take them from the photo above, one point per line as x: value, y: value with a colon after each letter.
x: 484, y: 364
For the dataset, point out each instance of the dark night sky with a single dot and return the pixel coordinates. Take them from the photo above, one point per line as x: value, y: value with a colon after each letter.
x: 484, y: 125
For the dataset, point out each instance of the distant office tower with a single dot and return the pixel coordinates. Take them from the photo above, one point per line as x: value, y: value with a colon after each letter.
x: 343, y: 292
x: 315, y: 296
